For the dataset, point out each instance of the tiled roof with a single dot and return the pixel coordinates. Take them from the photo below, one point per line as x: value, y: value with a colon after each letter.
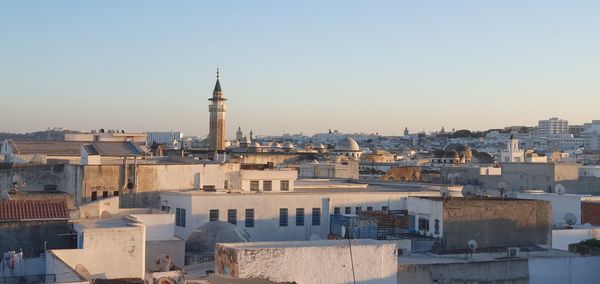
x: 23, y: 210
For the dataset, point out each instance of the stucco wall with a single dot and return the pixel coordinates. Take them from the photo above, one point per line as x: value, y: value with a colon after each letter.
x: 109, y: 253
x: 310, y: 262
x: 561, y: 239
x: 174, y: 248
x: 571, y: 270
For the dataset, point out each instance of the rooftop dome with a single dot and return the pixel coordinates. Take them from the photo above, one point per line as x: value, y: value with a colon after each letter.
x: 255, y: 145
x: 463, y: 151
x: 450, y: 154
x: 204, y: 239
x: 288, y: 145
x: 347, y: 144
x: 320, y: 146
x: 276, y: 145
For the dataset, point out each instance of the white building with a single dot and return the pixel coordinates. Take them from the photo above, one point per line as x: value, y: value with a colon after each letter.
x: 512, y: 153
x: 552, y: 126
x: 589, y: 171
x: 282, y: 216
x: 171, y: 138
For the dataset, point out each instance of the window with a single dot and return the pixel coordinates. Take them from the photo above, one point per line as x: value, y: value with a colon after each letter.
x: 384, y: 208
x: 436, y: 226
x: 94, y: 195
x: 226, y: 184
x: 267, y: 185
x: 299, y: 216
x: 357, y: 209
x: 213, y: 215
x: 369, y: 208
x: 209, y: 188
x: 116, y: 193
x: 254, y: 185
x: 284, y: 185
x: 348, y: 210
x: 423, y: 224
x: 105, y: 194
x: 180, y: 217
x: 232, y: 216
x: 316, y: 216
x: 337, y: 211
x: 283, y: 217
x: 250, y: 218
x: 165, y: 208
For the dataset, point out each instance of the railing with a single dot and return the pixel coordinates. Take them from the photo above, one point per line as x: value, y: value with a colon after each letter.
x: 197, y: 259
x: 39, y: 278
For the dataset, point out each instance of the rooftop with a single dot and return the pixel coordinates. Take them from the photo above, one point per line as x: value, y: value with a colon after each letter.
x: 304, y: 244
x: 429, y: 258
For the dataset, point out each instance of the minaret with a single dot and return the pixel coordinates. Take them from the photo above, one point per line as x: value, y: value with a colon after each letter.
x: 239, y: 134
x: 217, y: 111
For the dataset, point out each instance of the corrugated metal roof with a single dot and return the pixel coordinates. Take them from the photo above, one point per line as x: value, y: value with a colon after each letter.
x: 22, y: 210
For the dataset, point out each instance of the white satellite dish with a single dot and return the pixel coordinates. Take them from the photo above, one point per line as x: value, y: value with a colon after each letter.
x: 472, y: 244
x: 4, y: 196
x: 570, y: 219
x: 560, y: 189
x: 444, y: 192
x: 469, y: 191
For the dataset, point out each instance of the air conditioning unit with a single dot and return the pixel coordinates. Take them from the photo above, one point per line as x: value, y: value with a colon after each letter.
x: 512, y: 252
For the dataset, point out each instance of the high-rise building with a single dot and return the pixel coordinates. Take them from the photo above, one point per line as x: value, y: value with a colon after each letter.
x: 552, y: 126
x: 217, y: 111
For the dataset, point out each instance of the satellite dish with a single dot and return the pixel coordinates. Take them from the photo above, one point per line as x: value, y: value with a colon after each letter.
x: 4, y: 196
x: 570, y: 219
x: 472, y: 245
x: 469, y: 191
x: 444, y: 192
x: 560, y: 189
x: 83, y: 271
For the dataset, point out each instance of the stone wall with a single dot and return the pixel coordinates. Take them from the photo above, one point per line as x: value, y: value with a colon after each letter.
x: 410, y: 174
x: 496, y: 223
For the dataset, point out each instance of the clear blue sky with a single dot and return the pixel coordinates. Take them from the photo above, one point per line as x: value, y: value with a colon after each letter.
x: 298, y: 66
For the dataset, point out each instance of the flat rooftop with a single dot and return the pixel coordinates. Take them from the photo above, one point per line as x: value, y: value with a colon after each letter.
x: 304, y: 244
x: 429, y: 258
x: 103, y: 223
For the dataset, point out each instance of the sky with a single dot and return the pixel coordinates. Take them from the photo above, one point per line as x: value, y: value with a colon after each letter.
x: 298, y: 66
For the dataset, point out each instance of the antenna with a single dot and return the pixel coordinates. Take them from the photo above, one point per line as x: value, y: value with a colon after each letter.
x: 472, y: 246
x: 570, y: 219
x: 560, y: 189
x: 444, y: 192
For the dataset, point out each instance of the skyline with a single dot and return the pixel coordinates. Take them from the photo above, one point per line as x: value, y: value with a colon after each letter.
x: 288, y: 67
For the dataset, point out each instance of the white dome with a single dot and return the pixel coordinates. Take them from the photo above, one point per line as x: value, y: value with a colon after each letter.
x: 288, y: 145
x: 275, y: 145
x: 347, y: 145
x: 255, y: 145
x: 320, y: 146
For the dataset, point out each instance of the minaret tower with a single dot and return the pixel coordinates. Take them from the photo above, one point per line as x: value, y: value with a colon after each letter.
x: 217, y: 111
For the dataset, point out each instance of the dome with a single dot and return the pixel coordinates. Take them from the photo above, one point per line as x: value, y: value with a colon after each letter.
x: 451, y: 154
x: 276, y: 145
x: 255, y: 145
x: 320, y: 146
x: 482, y: 158
x: 347, y: 145
x: 309, y: 146
x: 267, y: 144
x: 245, y: 140
x: 463, y: 151
x: 203, y: 240
x: 288, y: 145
